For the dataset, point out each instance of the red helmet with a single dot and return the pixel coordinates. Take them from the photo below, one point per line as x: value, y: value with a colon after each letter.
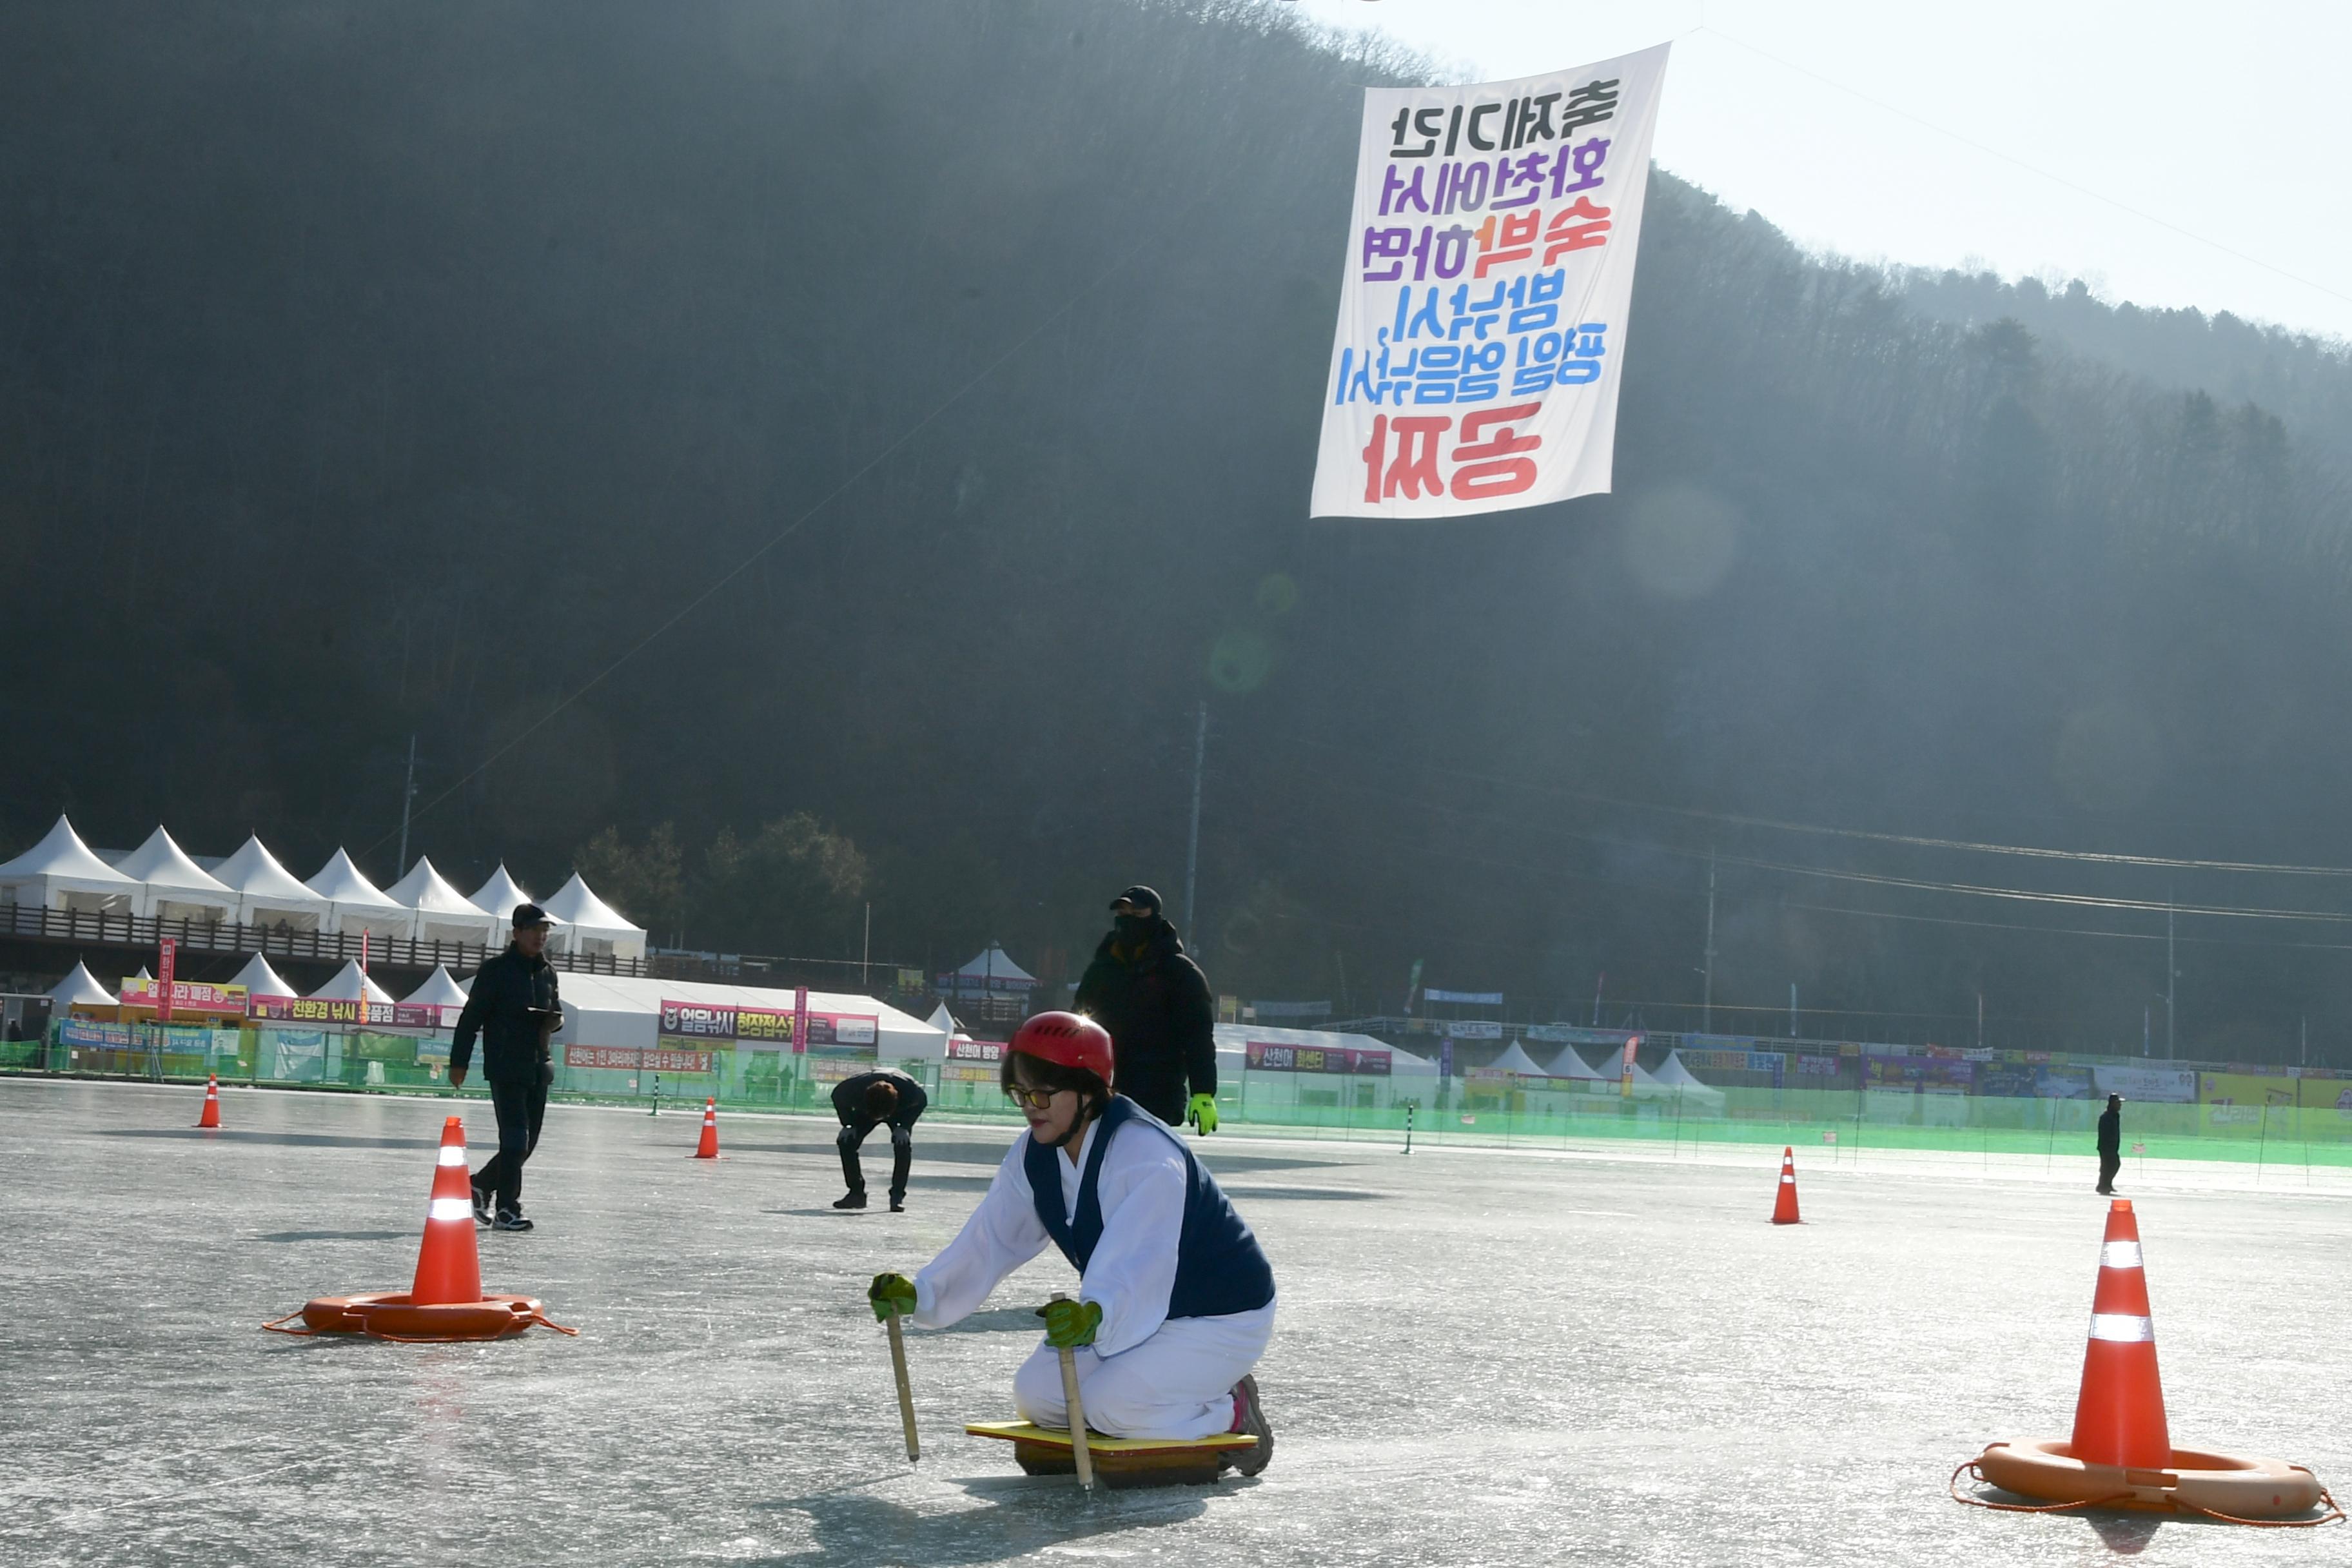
x: 1067, y: 1039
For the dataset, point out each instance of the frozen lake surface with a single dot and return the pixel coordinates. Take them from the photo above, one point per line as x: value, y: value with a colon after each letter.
x: 1482, y: 1357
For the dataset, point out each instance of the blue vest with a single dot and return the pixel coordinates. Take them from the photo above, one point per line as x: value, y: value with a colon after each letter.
x: 1219, y: 1269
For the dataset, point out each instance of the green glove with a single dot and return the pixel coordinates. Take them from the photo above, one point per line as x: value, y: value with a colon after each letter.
x: 1069, y: 1324
x: 890, y: 1293
x: 1203, y: 1112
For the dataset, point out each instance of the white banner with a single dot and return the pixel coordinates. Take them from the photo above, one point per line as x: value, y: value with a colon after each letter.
x: 2169, y: 1084
x: 1482, y: 319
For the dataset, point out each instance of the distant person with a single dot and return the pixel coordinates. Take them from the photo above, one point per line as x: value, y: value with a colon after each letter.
x: 515, y: 1008
x: 883, y: 1098
x: 2110, y: 1143
x: 1154, y: 1000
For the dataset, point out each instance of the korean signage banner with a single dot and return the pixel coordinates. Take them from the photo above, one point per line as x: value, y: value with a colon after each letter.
x: 190, y: 998
x: 771, y: 1028
x: 1483, y: 311
x: 1263, y: 1057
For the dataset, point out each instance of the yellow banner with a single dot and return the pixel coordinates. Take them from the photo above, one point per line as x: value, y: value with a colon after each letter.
x: 2244, y: 1088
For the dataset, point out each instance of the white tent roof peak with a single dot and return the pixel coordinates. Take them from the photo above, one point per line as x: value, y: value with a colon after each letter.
x: 576, y: 904
x: 438, y: 990
x: 341, y: 882
x: 162, y: 863
x: 1672, y: 1074
x: 350, y: 985
x: 500, y: 894
x: 259, y: 980
x: 1517, y: 1061
x: 79, y: 989
x: 425, y: 888
x: 254, y: 871
x: 992, y: 964
x: 63, y: 857
x: 1571, y: 1064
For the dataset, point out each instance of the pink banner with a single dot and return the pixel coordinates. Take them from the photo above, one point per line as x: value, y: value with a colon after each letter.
x: 187, y: 996
x: 1267, y: 1058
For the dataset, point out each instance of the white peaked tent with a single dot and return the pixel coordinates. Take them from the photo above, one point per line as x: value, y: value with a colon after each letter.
x: 991, y: 974
x: 351, y: 984
x: 1674, y: 1078
x: 143, y: 975
x: 268, y: 894
x: 499, y: 896
x: 438, y: 990
x: 1567, y: 1064
x: 443, y: 913
x: 354, y: 904
x: 259, y: 980
x: 587, y: 924
x: 1517, y: 1061
x: 79, y: 989
x: 61, y: 872
x: 175, y: 888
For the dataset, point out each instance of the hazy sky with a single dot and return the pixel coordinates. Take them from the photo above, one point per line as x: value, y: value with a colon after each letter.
x: 2232, y: 123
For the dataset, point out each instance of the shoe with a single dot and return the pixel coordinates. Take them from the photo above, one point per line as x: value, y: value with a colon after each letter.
x: 850, y: 1201
x: 897, y: 1206
x: 510, y: 1222
x: 1250, y: 1461
x: 481, y: 1206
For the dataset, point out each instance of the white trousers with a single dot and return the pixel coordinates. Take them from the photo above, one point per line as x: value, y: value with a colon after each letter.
x: 1177, y: 1383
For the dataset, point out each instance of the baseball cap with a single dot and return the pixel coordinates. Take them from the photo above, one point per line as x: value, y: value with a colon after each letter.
x: 531, y: 915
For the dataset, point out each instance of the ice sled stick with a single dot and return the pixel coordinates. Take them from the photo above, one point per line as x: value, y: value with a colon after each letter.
x: 1077, y: 1413
x: 905, y: 1394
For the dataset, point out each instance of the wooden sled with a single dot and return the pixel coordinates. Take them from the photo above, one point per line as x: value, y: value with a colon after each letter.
x: 1120, y: 1461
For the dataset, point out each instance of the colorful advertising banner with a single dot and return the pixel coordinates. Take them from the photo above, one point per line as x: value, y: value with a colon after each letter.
x: 1263, y: 1057
x: 2326, y: 1094
x: 351, y: 1013
x: 769, y: 1028
x: 2160, y: 1085
x: 2244, y: 1090
x: 188, y: 998
x: 626, y: 1059
x: 1482, y: 308
x: 963, y: 1051
x: 1472, y: 1028
x: 1936, y: 1075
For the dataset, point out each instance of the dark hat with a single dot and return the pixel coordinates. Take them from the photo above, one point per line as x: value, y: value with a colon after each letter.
x: 531, y: 915
x: 1139, y: 894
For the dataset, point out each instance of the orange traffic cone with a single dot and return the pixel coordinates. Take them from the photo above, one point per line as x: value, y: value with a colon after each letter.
x: 709, y: 1148
x: 448, y: 1269
x: 2119, y: 1414
x: 1784, y: 1207
x: 211, y: 1118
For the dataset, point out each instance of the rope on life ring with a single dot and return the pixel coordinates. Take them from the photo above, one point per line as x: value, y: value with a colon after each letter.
x: 2335, y: 1513
x: 522, y: 1324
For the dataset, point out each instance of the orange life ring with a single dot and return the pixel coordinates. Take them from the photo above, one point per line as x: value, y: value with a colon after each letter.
x: 390, y: 1315
x: 2194, y: 1482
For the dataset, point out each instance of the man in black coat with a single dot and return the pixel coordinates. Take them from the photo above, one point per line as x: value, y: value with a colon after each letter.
x: 2110, y: 1143
x: 882, y: 1097
x: 514, y: 1008
x: 1154, y: 1000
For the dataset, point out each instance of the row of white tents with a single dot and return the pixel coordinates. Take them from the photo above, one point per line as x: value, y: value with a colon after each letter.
x: 81, y: 989
x: 159, y: 880
x: 1570, y: 1070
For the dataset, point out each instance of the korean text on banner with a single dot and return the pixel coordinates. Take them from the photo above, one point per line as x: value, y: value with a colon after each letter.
x: 1483, y: 311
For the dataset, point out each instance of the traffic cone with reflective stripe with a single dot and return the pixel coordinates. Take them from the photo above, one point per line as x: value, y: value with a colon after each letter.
x: 709, y: 1148
x: 2119, y: 1414
x: 1784, y: 1207
x: 211, y: 1117
x: 448, y: 1269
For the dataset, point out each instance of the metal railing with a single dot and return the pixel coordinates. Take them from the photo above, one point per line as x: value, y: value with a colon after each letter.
x: 90, y: 928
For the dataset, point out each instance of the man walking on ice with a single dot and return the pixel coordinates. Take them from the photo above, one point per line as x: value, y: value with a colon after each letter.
x: 1145, y: 989
x: 882, y: 1097
x: 515, y: 1008
x: 1175, y: 1301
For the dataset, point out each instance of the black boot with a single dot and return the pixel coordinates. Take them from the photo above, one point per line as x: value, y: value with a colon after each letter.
x: 856, y: 1199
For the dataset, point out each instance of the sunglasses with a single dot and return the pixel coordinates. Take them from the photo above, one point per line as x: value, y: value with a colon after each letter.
x: 1033, y: 1099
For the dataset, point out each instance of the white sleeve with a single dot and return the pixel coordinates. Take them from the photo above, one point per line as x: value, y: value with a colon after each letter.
x: 1133, y: 1271
x: 1003, y: 1234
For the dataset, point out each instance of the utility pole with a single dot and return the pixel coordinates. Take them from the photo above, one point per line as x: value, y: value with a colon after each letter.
x: 2307, y: 1039
x: 866, y: 960
x: 1979, y: 1020
x: 1599, y: 981
x: 1193, y: 838
x: 1707, y: 996
x: 407, y: 798
x: 1792, y: 1009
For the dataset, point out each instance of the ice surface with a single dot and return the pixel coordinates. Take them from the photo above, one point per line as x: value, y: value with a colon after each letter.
x: 1483, y: 1357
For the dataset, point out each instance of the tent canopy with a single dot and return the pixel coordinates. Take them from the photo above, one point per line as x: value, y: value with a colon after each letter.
x: 356, y: 904
x: 265, y: 888
x: 1567, y: 1064
x: 438, y: 990
x: 351, y: 983
x: 1517, y: 1061
x: 499, y: 896
x: 443, y: 913
x: 616, y: 1010
x: 1672, y: 1074
x: 175, y: 888
x: 61, y: 872
x: 259, y: 980
x: 79, y: 989
x: 991, y: 968
x: 586, y: 923
x: 1233, y: 1041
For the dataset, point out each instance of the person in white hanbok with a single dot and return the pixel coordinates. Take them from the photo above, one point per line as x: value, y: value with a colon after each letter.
x: 1175, y: 1298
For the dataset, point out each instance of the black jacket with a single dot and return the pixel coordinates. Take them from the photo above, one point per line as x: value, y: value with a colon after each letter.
x: 2111, y: 1132
x: 514, y: 1008
x: 849, y: 1098
x: 1162, y: 1020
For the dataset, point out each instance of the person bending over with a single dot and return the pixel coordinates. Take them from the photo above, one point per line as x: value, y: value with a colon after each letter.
x: 883, y: 1098
x: 1175, y: 1301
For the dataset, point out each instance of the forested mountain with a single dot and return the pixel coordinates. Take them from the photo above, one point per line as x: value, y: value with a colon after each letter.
x: 871, y: 427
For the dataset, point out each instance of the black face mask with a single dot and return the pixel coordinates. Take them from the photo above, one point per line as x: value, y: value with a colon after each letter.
x: 1132, y: 929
